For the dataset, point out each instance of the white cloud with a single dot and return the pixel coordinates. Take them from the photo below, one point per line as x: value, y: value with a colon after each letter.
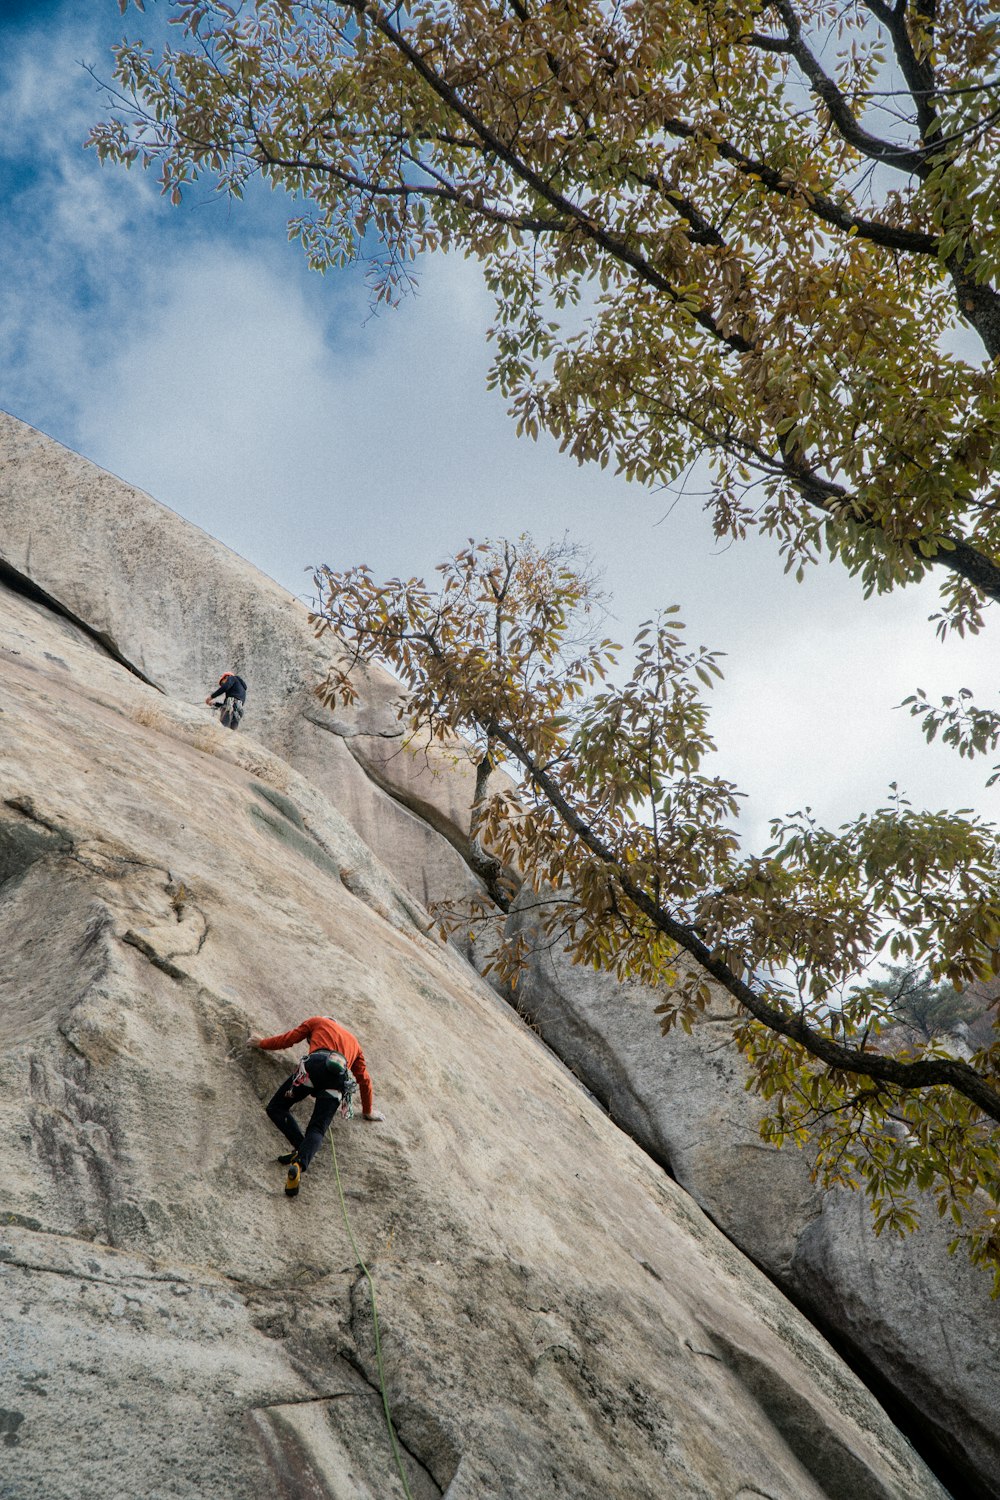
x: 71, y: 231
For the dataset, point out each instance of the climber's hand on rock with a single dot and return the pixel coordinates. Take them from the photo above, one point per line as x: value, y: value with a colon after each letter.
x: 254, y: 1041
x: 376, y: 1114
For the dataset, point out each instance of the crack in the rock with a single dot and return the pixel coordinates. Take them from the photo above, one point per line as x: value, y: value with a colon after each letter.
x: 78, y: 849
x: 347, y: 732
x: 26, y: 807
x: 20, y: 583
x: 156, y: 959
x: 217, y: 1279
x: 206, y: 928
x: 705, y: 1353
x: 425, y: 811
x: 72, y: 1274
x: 134, y: 860
x: 354, y: 1362
x: 307, y: 1400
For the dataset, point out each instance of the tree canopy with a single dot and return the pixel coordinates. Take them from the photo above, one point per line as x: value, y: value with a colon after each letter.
x: 768, y: 235
x: 769, y: 232
x: 615, y: 816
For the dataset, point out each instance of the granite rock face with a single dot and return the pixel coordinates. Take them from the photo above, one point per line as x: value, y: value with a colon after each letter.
x: 920, y: 1320
x: 557, y: 1317
x: 179, y: 609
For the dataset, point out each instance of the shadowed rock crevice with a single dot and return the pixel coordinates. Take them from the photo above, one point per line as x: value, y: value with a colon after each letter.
x: 816, y: 1444
x: 307, y: 1459
x: 25, y: 809
x: 352, y: 731
x: 10, y: 1421
x: 336, y: 1443
x: 19, y: 583
x: 22, y: 842
x: 930, y: 1424
x: 161, y: 961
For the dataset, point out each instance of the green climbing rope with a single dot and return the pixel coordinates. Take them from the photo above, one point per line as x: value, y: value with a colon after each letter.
x: 378, y: 1341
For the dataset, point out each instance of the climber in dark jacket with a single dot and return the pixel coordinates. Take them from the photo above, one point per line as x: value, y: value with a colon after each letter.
x: 233, y: 692
x: 322, y: 1073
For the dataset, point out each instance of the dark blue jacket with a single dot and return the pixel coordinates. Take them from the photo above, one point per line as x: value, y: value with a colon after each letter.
x: 231, y: 686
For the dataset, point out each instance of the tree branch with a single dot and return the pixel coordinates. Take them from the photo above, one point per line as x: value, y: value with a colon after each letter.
x: 612, y: 244
x: 948, y: 1072
x: 872, y: 146
x: 913, y: 241
x: 443, y: 189
x: 917, y: 72
x: 957, y: 554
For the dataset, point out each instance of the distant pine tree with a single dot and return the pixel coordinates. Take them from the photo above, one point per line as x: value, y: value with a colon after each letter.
x: 931, y: 1010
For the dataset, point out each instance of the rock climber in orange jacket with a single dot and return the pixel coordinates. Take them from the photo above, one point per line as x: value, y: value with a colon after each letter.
x: 322, y: 1073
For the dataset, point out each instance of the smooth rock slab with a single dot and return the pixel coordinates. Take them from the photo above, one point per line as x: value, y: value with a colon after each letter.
x: 557, y: 1318
x: 180, y: 608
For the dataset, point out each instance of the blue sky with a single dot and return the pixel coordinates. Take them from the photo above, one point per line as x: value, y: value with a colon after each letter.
x: 191, y: 352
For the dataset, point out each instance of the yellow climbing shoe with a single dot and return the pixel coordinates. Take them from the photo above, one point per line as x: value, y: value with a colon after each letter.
x: 293, y: 1179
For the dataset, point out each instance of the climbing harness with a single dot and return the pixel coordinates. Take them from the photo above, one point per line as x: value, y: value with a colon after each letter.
x: 231, y: 711
x: 326, y: 1072
x: 378, y: 1342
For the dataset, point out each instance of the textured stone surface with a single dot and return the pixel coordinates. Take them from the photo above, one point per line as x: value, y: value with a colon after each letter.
x: 181, y: 608
x: 557, y: 1317
x: 682, y: 1096
x: 920, y: 1319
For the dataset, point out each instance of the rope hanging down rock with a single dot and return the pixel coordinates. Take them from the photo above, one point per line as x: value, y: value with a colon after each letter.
x: 378, y: 1342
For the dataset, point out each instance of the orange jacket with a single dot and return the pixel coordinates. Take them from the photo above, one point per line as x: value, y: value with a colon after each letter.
x: 322, y: 1032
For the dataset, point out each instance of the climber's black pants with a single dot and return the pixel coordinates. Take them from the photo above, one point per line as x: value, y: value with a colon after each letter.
x: 280, y: 1112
